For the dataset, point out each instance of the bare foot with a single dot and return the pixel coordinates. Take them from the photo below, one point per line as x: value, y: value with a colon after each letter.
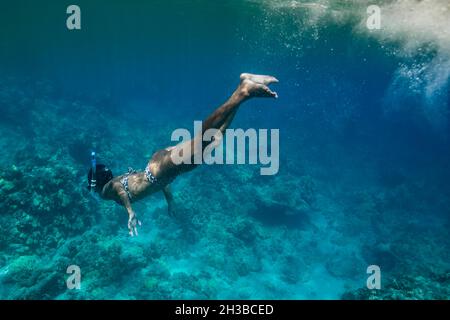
x: 253, y: 85
x: 258, y: 78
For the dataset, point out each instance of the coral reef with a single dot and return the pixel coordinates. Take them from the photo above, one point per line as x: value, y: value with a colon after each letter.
x: 433, y: 287
x: 308, y: 232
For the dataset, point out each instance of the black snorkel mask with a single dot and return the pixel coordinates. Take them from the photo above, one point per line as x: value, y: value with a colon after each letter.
x: 98, y: 176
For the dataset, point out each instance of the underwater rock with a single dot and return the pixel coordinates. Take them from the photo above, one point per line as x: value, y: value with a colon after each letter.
x: 244, y: 229
x: 345, y: 265
x: 6, y: 186
x: 381, y: 255
x: 246, y: 261
x: 274, y: 214
x: 29, y: 277
x: 405, y: 288
x: 21, y: 271
x: 293, y: 269
x: 296, y: 193
x: 132, y: 257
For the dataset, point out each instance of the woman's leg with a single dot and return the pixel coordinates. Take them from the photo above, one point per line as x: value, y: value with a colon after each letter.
x: 250, y: 86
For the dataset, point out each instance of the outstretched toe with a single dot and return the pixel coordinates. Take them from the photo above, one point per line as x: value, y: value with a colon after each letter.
x: 266, y: 92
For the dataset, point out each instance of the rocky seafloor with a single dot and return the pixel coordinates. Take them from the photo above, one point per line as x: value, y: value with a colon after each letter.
x: 307, y: 233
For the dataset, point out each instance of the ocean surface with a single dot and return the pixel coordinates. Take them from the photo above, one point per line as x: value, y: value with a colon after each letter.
x: 364, y: 175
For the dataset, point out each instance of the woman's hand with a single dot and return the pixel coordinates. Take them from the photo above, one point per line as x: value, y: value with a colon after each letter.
x: 133, y: 222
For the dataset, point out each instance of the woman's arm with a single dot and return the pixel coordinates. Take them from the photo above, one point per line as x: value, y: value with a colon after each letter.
x: 133, y: 222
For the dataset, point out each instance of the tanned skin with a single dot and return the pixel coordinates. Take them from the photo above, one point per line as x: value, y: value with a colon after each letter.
x: 165, y: 170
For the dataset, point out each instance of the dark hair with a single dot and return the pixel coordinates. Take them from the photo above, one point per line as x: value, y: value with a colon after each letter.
x: 102, y: 176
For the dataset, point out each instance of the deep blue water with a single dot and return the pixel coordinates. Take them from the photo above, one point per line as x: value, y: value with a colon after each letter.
x: 364, y: 149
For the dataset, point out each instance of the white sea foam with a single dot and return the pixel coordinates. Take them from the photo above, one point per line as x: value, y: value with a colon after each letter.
x: 414, y: 23
x: 420, y: 27
x: 419, y: 31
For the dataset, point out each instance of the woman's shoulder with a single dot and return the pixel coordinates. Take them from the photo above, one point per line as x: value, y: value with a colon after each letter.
x: 111, y: 188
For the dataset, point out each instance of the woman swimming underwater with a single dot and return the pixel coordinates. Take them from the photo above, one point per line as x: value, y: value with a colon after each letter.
x: 161, y: 170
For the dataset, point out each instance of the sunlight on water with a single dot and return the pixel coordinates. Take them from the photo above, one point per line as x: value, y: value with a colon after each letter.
x: 410, y: 29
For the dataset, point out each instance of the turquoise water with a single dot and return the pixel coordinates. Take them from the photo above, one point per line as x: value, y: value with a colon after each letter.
x: 364, y: 149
